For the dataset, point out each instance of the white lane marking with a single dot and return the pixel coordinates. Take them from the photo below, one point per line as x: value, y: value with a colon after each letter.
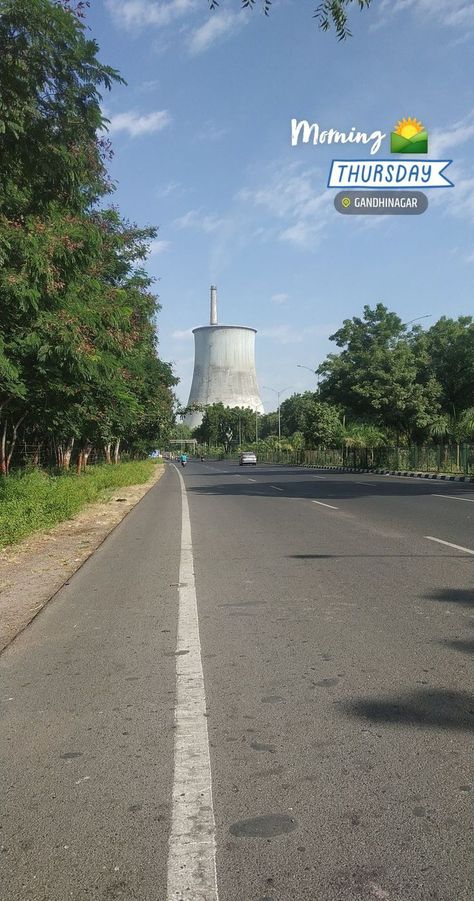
x: 454, y: 497
x: 366, y: 483
x: 252, y: 480
x: 325, y: 505
x: 457, y: 547
x: 319, y: 477
x: 276, y: 487
x: 192, y: 845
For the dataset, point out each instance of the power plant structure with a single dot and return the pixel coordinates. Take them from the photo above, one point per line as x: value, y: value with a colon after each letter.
x: 224, y: 367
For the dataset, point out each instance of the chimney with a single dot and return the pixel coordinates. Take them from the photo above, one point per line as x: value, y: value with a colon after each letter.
x: 213, y: 305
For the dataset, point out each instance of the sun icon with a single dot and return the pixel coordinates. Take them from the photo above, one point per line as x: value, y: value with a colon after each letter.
x: 408, y: 128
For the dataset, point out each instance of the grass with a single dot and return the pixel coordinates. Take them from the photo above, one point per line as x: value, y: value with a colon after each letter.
x: 34, y: 500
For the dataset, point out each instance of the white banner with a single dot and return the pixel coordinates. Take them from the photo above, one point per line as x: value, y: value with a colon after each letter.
x: 389, y: 174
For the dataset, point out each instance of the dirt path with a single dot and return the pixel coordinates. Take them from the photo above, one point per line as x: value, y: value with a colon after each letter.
x: 32, y: 571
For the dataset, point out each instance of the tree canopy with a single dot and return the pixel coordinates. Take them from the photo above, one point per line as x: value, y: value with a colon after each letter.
x: 382, y: 374
x: 226, y: 426
x: 78, y: 347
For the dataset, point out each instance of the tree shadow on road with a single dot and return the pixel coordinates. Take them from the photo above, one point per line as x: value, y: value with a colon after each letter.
x: 463, y: 596
x: 359, y: 556
x: 426, y: 708
x: 302, y: 484
x: 466, y: 647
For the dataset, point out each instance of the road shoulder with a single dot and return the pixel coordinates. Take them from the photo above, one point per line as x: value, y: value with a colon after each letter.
x: 34, y: 570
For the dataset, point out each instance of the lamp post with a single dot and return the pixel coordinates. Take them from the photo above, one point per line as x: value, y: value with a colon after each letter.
x: 278, y: 393
x: 426, y: 316
x: 300, y: 366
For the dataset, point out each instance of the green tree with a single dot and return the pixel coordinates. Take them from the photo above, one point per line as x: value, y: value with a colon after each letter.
x: 319, y: 422
x: 267, y: 425
x: 78, y: 347
x: 50, y: 109
x: 457, y: 429
x: 449, y: 344
x: 226, y: 425
x: 365, y: 436
x: 381, y: 374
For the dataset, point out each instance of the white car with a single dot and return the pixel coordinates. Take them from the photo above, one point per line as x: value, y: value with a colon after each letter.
x: 248, y: 457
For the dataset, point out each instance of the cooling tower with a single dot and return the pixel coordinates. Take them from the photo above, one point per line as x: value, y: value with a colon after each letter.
x: 224, y: 367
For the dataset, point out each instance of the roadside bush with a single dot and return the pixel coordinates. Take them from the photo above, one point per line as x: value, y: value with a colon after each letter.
x: 35, y: 500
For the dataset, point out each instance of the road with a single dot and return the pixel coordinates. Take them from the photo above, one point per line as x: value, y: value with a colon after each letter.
x: 311, y: 741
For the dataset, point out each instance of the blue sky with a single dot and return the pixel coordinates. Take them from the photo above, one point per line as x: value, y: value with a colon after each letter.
x: 201, y: 135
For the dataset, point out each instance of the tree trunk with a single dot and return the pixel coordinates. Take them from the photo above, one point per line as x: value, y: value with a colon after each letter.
x: 107, y: 452
x: 36, y: 456
x: 13, y: 441
x: 66, y: 454
x: 85, y: 455
x: 116, y: 450
x: 3, y: 450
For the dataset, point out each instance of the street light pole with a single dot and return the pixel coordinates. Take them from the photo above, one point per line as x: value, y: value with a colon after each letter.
x: 278, y: 393
x: 300, y: 366
x: 426, y: 316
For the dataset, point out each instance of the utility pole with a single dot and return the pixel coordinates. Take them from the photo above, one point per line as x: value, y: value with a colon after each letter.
x: 278, y: 393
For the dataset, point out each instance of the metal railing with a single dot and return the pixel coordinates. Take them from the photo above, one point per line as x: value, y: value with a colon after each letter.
x: 452, y: 459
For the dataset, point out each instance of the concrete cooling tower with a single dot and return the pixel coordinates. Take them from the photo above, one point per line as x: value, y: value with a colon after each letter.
x: 224, y: 367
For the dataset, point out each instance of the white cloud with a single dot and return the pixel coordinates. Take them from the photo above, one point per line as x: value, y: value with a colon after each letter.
x: 148, y: 85
x: 443, y: 140
x: 197, y: 220
x: 280, y: 298
x: 447, y: 13
x: 459, y: 201
x: 288, y: 334
x: 182, y: 334
x: 211, y: 132
x: 140, y: 14
x: 157, y: 247
x: 171, y: 187
x: 291, y: 195
x: 137, y: 125
x: 220, y: 25
x: 282, y: 334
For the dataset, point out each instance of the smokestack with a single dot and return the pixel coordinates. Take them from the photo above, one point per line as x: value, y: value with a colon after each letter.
x: 213, y: 305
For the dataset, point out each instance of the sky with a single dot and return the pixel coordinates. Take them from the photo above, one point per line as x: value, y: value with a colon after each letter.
x: 202, y: 149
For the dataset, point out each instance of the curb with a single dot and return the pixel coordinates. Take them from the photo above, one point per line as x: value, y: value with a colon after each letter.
x: 396, y: 472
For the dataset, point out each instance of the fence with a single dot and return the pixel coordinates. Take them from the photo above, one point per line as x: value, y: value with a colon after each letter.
x: 452, y: 459
x: 47, y: 455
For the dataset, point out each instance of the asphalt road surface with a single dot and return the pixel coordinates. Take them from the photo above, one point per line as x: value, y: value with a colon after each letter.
x: 326, y: 695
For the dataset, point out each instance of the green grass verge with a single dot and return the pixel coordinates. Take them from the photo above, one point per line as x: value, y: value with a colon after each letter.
x: 36, y: 500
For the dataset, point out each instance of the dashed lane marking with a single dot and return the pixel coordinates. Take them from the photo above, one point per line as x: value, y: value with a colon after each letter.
x: 320, y: 503
x: 456, y: 547
x: 453, y: 497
